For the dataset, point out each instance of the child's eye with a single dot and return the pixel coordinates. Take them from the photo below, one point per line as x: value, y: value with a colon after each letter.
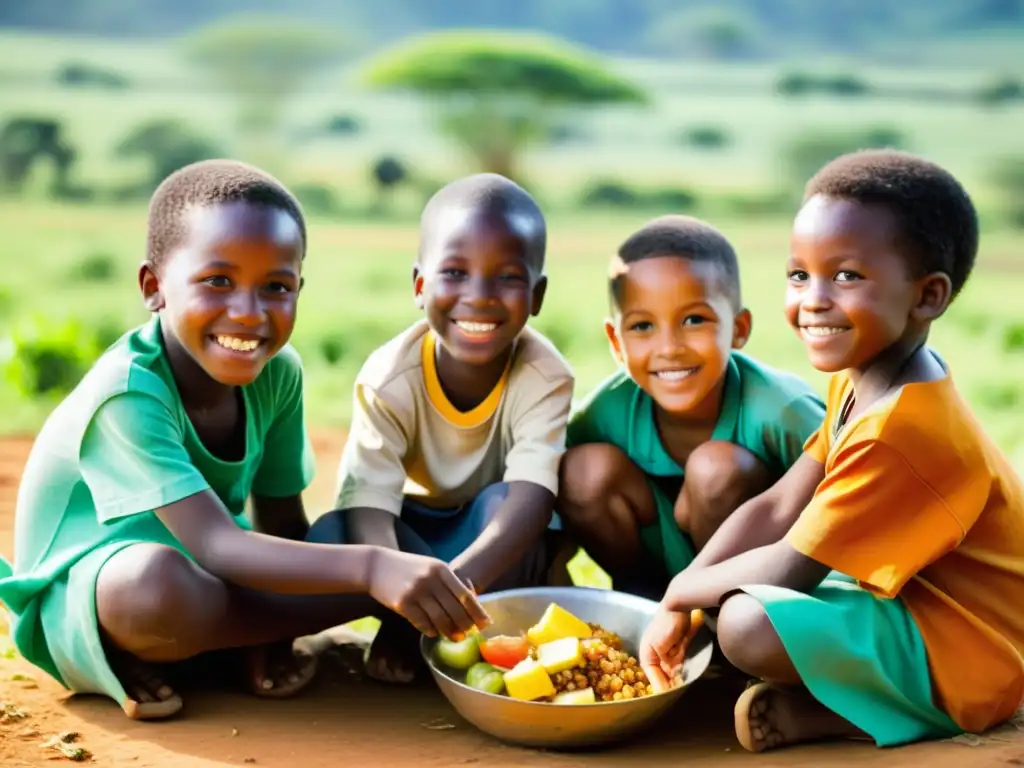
x: 798, y: 275
x: 454, y: 272
x: 641, y: 325
x: 846, y: 276
x: 218, y: 281
x: 694, y: 320
x: 278, y: 288
x: 512, y: 277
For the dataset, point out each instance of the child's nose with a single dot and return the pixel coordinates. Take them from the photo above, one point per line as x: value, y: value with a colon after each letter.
x: 246, y: 308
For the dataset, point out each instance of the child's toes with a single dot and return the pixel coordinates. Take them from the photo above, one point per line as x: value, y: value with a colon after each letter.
x: 149, y: 696
x: 278, y: 671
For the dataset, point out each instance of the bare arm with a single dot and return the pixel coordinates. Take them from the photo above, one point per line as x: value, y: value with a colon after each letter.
x: 282, y: 517
x: 777, y: 564
x: 260, y: 561
x: 766, y: 518
x: 518, y: 524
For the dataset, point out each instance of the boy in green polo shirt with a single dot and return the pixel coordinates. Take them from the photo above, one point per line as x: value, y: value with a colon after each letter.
x: 687, y: 404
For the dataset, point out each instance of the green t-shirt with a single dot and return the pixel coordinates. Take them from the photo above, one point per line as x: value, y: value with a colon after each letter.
x: 121, y: 445
x: 769, y: 412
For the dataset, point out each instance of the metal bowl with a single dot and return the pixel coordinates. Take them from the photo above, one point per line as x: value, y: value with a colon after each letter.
x: 552, y: 726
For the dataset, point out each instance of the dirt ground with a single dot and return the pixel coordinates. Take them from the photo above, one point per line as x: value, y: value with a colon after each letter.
x: 341, y: 721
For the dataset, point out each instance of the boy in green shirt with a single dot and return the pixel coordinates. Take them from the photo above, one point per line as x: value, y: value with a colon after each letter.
x: 132, y: 547
x: 687, y: 405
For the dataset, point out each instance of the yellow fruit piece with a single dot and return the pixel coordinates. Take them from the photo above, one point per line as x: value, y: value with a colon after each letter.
x: 559, y: 655
x: 584, y: 696
x: 527, y: 681
x: 555, y: 624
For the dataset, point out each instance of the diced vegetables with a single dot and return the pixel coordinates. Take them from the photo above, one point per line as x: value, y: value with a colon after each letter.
x: 561, y: 654
x: 555, y: 624
x: 461, y: 654
x: 528, y: 681
x: 584, y: 696
x: 485, y: 677
x: 505, y: 651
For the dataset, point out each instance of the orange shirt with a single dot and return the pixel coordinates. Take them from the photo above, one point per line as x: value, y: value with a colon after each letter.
x: 918, y: 503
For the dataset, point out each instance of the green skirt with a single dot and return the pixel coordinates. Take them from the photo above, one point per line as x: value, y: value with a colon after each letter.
x: 663, y: 539
x: 861, y: 656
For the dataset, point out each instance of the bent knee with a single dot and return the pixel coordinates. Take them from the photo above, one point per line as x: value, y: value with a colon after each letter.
x: 588, y: 473
x: 148, y: 590
x: 747, y: 637
x: 723, y: 470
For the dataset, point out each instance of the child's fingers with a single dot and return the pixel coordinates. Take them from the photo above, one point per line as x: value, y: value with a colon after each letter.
x: 659, y: 681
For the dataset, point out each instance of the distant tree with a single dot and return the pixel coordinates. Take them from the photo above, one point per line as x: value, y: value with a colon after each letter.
x: 712, y: 32
x: 166, y: 145
x: 497, y: 93
x: 264, y: 61
x: 388, y: 172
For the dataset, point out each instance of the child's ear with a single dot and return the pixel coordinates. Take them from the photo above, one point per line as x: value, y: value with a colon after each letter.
x: 539, y: 289
x: 741, y: 328
x: 149, y: 284
x: 613, y: 339
x: 417, y: 286
x: 935, y: 293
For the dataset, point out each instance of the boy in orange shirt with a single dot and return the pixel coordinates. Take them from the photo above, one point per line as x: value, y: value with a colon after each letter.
x: 875, y: 589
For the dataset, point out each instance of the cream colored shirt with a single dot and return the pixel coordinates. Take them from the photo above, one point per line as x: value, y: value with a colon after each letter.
x: 408, y: 441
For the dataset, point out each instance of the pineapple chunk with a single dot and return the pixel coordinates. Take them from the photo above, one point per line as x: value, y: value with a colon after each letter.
x: 555, y: 624
x: 528, y: 681
x: 559, y: 655
x: 583, y: 696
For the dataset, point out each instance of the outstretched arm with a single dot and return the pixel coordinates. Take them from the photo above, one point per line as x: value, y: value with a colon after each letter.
x: 518, y: 523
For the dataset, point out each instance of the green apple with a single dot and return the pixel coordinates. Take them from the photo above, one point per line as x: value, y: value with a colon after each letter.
x: 485, y: 677
x: 461, y: 654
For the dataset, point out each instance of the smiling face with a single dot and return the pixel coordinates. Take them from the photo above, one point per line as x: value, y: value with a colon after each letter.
x: 477, y: 283
x: 851, y: 293
x: 227, y: 294
x: 674, y: 332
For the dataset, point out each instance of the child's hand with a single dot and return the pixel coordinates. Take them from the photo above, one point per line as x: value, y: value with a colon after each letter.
x: 426, y: 592
x: 663, y: 646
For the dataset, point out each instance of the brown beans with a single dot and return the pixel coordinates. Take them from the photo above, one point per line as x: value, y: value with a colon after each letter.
x: 607, y: 668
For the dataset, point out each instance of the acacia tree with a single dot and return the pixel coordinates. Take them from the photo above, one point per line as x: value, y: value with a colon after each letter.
x: 496, y: 93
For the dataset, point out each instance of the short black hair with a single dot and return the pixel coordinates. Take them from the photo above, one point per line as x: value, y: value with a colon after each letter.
x: 683, y: 237
x: 938, y: 221
x: 488, y: 194
x: 211, y: 182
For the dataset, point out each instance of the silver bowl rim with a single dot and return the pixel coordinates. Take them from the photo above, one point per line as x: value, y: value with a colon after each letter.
x: 486, y: 598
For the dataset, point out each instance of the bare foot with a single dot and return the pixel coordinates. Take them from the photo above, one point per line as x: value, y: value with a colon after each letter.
x: 279, y: 670
x: 393, y: 656
x: 149, y: 696
x: 768, y: 717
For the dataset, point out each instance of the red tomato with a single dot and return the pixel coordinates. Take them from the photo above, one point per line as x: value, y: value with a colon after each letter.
x: 504, y: 651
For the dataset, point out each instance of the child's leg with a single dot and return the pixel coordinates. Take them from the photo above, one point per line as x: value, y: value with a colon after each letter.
x: 720, y: 476
x: 769, y: 716
x: 837, y: 663
x: 155, y: 605
x: 394, y: 652
x: 604, y: 500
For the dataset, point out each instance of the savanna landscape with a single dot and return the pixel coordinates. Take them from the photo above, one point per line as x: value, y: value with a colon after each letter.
x: 727, y: 130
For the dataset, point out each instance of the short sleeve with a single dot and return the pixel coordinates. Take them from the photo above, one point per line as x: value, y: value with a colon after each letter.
x: 288, y: 464
x: 796, y: 424
x: 539, y: 423
x: 132, y: 457
x: 875, y: 519
x: 372, y: 472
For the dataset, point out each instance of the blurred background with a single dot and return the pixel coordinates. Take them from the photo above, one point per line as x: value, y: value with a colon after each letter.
x: 610, y: 111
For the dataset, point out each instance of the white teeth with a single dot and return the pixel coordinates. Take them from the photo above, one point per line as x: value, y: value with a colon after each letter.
x: 816, y: 330
x: 476, y: 327
x: 677, y: 375
x: 237, y: 344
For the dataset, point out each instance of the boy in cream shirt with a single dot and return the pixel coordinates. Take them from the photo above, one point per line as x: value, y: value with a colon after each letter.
x: 459, y: 422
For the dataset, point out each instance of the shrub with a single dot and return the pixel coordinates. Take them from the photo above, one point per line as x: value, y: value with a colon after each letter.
x: 834, y: 84
x: 672, y: 199
x: 706, y: 137
x: 332, y: 348
x: 343, y: 125
x: 47, y: 358
x: 99, y: 267
x: 78, y: 74
x: 1007, y: 178
x: 168, y: 145
x: 1000, y: 91
x: 808, y: 153
x: 1013, y: 338
x: 610, y: 194
x: 316, y: 199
